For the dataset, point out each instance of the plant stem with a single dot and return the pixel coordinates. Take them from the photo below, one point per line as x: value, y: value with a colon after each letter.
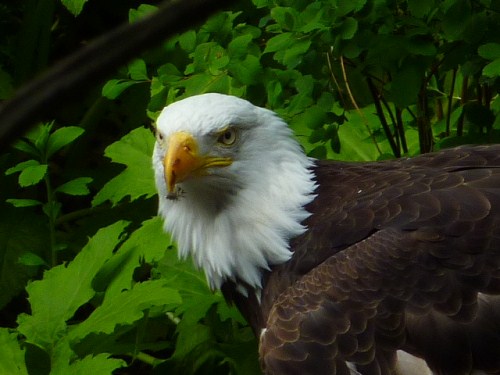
x: 147, y: 358
x: 52, y: 222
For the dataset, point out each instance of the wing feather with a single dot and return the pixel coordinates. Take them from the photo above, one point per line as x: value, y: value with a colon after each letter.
x: 398, y: 255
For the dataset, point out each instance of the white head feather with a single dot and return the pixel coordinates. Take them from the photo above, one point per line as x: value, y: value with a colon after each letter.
x: 236, y: 221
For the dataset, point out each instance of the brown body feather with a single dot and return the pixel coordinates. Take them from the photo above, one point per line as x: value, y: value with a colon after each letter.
x: 401, y: 254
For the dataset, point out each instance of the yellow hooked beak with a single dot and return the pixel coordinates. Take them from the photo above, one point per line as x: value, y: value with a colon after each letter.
x: 183, y: 161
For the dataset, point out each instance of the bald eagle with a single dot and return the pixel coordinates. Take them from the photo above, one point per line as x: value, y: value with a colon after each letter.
x: 339, y: 268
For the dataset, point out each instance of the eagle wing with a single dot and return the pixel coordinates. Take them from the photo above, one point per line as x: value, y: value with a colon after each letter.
x: 399, y: 255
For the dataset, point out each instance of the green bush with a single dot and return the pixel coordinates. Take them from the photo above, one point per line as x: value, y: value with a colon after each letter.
x: 89, y: 281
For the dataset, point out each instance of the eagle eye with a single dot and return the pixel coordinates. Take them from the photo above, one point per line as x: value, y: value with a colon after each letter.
x: 159, y: 135
x: 227, y: 137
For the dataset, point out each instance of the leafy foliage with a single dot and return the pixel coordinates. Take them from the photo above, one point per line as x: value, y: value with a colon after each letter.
x: 89, y: 281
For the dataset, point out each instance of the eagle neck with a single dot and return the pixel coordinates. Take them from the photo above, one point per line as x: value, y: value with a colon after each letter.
x: 252, y: 231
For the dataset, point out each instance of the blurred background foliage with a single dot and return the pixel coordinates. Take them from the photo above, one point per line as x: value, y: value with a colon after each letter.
x: 355, y: 79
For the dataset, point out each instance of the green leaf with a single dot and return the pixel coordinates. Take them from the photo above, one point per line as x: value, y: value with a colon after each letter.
x: 78, y: 186
x: 453, y: 22
x: 238, y: 47
x: 146, y: 244
x: 278, y: 42
x: 21, y: 166
x: 125, y: 308
x: 142, y: 11
x: 420, y: 8
x: 137, y: 70
x: 348, y: 28
x: 74, y: 6
x: 285, y: 17
x: 65, y: 361
x: 11, y: 356
x: 62, y: 137
x: 63, y: 289
x: 406, y: 83
x: 23, y: 202
x: 197, y: 298
x: 31, y: 259
x: 187, y: 41
x: 20, y: 231
x: 246, y: 71
x: 419, y: 46
x: 114, y: 87
x: 492, y: 69
x: 134, y: 150
x: 313, y: 117
x: 32, y: 175
x: 489, y: 51
x: 97, y: 365
x: 191, y: 335
x: 347, y: 6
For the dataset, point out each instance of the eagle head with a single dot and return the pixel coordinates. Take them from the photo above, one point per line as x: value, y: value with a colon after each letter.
x: 232, y: 185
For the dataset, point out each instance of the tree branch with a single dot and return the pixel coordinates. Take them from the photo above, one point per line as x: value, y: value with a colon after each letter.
x: 76, y: 73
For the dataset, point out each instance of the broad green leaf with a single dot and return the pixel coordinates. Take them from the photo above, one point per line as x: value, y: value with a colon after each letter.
x: 420, y: 8
x: 134, y: 151
x: 167, y: 74
x: 64, y: 362
x: 114, y: 87
x: 495, y: 105
x: 62, y: 137
x: 285, y: 17
x: 63, y: 289
x: 11, y: 356
x: 78, y: 186
x: 187, y: 41
x: 355, y: 140
x: 23, y: 202
x: 39, y: 136
x: 31, y: 259
x: 453, y: 22
x: 313, y: 117
x: 238, y: 47
x: 291, y: 57
x: 348, y: 28
x: 20, y: 231
x: 28, y: 147
x: 406, y: 84
x: 21, y: 166
x: 191, y: 335
x: 100, y: 364
x: 146, y: 244
x: 126, y: 307
x: 142, y: 11
x: 74, y: 6
x: 137, y: 70
x: 492, y: 69
x: 218, y: 59
x: 317, y: 135
x: 278, y: 42
x: 32, y: 175
x: 489, y: 51
x: 197, y: 298
x: 246, y: 71
x: 347, y: 6
x: 417, y: 46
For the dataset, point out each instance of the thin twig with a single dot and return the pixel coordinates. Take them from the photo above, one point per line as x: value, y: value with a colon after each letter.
x: 450, y: 102
x: 335, y: 81
x: 400, y: 127
x: 353, y: 101
x: 383, y: 120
